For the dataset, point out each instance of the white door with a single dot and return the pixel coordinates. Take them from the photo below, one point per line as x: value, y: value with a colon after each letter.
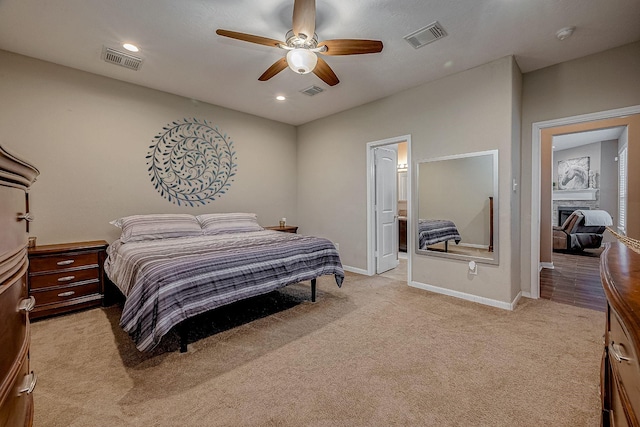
x: 386, y: 166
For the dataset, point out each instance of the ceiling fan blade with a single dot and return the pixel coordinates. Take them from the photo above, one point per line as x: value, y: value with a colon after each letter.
x: 249, y: 38
x: 304, y: 17
x: 325, y: 72
x: 278, y: 66
x: 350, y: 46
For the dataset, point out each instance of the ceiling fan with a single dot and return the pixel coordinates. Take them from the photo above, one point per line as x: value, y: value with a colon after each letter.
x: 302, y: 46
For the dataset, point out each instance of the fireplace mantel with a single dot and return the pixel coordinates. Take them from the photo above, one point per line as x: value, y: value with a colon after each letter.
x: 588, y: 194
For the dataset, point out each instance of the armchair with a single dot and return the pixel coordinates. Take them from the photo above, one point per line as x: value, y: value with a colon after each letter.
x: 576, y: 235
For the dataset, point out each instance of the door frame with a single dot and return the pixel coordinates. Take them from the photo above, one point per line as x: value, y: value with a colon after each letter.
x: 536, y: 172
x: 371, y: 230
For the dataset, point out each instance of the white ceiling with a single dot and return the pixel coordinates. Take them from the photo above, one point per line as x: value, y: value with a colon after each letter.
x: 183, y: 55
x: 572, y: 140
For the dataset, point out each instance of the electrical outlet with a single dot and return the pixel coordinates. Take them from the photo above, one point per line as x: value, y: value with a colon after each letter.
x: 337, y: 245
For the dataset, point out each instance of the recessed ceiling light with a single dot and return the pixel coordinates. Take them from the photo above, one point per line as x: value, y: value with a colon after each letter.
x: 280, y: 98
x: 130, y: 47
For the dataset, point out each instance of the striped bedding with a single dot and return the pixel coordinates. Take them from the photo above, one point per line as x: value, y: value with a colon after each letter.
x: 166, y: 281
x: 432, y: 231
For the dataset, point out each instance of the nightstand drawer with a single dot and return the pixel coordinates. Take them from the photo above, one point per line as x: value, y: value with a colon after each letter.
x: 63, y: 278
x: 62, y: 262
x: 66, y: 293
x: 66, y: 277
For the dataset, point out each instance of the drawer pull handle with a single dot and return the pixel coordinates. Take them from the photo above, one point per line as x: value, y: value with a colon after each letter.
x: 616, y: 350
x: 66, y: 294
x: 66, y: 278
x: 28, y: 384
x: 25, y: 217
x: 66, y: 262
x: 27, y: 305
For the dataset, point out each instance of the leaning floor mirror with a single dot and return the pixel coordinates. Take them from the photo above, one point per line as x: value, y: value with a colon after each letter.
x: 455, y: 211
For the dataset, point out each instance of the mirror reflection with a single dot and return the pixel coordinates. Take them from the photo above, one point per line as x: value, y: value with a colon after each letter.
x: 456, y: 200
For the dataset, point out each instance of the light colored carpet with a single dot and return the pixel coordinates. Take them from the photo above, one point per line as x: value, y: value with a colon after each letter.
x: 374, y: 353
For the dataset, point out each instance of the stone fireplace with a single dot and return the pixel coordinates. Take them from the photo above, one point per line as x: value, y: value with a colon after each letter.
x: 563, y: 212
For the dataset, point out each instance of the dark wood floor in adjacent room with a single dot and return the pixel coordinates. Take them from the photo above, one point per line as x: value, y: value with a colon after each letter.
x: 575, y: 280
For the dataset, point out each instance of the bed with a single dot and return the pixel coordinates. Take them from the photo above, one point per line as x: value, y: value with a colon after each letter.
x: 432, y: 231
x: 171, y: 268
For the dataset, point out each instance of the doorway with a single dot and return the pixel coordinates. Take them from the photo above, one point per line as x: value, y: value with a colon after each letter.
x: 372, y: 223
x: 542, y: 182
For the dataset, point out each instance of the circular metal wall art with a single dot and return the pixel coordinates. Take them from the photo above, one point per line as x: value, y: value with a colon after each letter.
x: 192, y: 162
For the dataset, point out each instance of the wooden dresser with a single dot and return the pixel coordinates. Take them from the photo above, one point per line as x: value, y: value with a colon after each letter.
x: 66, y: 277
x: 16, y: 379
x: 620, y: 378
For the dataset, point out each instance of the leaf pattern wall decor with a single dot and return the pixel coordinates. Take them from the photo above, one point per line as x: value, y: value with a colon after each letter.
x: 192, y: 162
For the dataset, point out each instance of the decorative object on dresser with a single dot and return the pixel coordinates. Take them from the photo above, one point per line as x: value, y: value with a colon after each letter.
x: 620, y: 375
x: 284, y: 228
x: 16, y: 379
x: 66, y: 277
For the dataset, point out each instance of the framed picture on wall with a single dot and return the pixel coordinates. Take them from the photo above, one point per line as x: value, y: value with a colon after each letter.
x: 573, y: 174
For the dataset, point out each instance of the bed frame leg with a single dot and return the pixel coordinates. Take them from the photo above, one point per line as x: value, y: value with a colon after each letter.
x: 183, y: 332
x: 313, y: 290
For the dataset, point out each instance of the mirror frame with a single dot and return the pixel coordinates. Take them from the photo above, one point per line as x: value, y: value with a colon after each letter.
x: 495, y: 259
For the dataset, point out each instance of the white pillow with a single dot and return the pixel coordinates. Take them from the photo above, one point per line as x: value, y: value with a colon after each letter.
x: 220, y: 223
x: 157, y: 226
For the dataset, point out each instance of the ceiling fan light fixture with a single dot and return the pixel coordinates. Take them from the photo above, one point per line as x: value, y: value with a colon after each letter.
x: 302, y: 61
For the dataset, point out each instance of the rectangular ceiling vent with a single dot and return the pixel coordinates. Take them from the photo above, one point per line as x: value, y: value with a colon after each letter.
x: 426, y: 35
x: 122, y: 59
x: 312, y: 90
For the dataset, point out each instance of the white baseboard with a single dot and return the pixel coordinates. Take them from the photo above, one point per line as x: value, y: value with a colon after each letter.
x: 526, y: 294
x: 469, y: 297
x: 548, y: 265
x: 355, y: 270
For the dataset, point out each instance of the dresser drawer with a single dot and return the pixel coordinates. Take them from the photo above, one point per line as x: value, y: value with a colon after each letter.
x: 624, y: 365
x: 62, y: 262
x: 63, y: 278
x: 13, y: 323
x: 66, y: 293
x: 66, y: 277
x: 17, y: 409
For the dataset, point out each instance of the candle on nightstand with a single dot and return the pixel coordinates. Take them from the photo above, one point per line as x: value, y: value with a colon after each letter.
x: 283, y: 221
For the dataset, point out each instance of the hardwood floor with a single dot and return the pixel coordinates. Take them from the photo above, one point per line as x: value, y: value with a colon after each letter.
x: 575, y: 280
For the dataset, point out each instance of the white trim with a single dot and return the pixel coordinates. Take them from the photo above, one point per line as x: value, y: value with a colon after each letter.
x: 588, y: 194
x: 469, y: 297
x: 371, y: 261
x: 547, y: 265
x: 537, y: 128
x: 356, y: 270
x: 525, y: 294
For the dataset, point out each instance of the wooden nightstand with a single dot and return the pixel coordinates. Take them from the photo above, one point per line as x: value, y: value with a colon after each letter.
x: 286, y: 228
x: 66, y: 277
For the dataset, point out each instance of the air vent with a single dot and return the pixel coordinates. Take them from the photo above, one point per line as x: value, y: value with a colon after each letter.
x: 426, y: 35
x: 122, y: 59
x: 313, y: 90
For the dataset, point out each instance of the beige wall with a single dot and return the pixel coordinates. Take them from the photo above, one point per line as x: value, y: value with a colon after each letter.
x: 469, y: 111
x: 89, y: 136
x: 600, y: 82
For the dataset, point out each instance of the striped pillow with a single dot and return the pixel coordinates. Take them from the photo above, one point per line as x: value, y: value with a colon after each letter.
x: 157, y: 226
x: 221, y: 223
